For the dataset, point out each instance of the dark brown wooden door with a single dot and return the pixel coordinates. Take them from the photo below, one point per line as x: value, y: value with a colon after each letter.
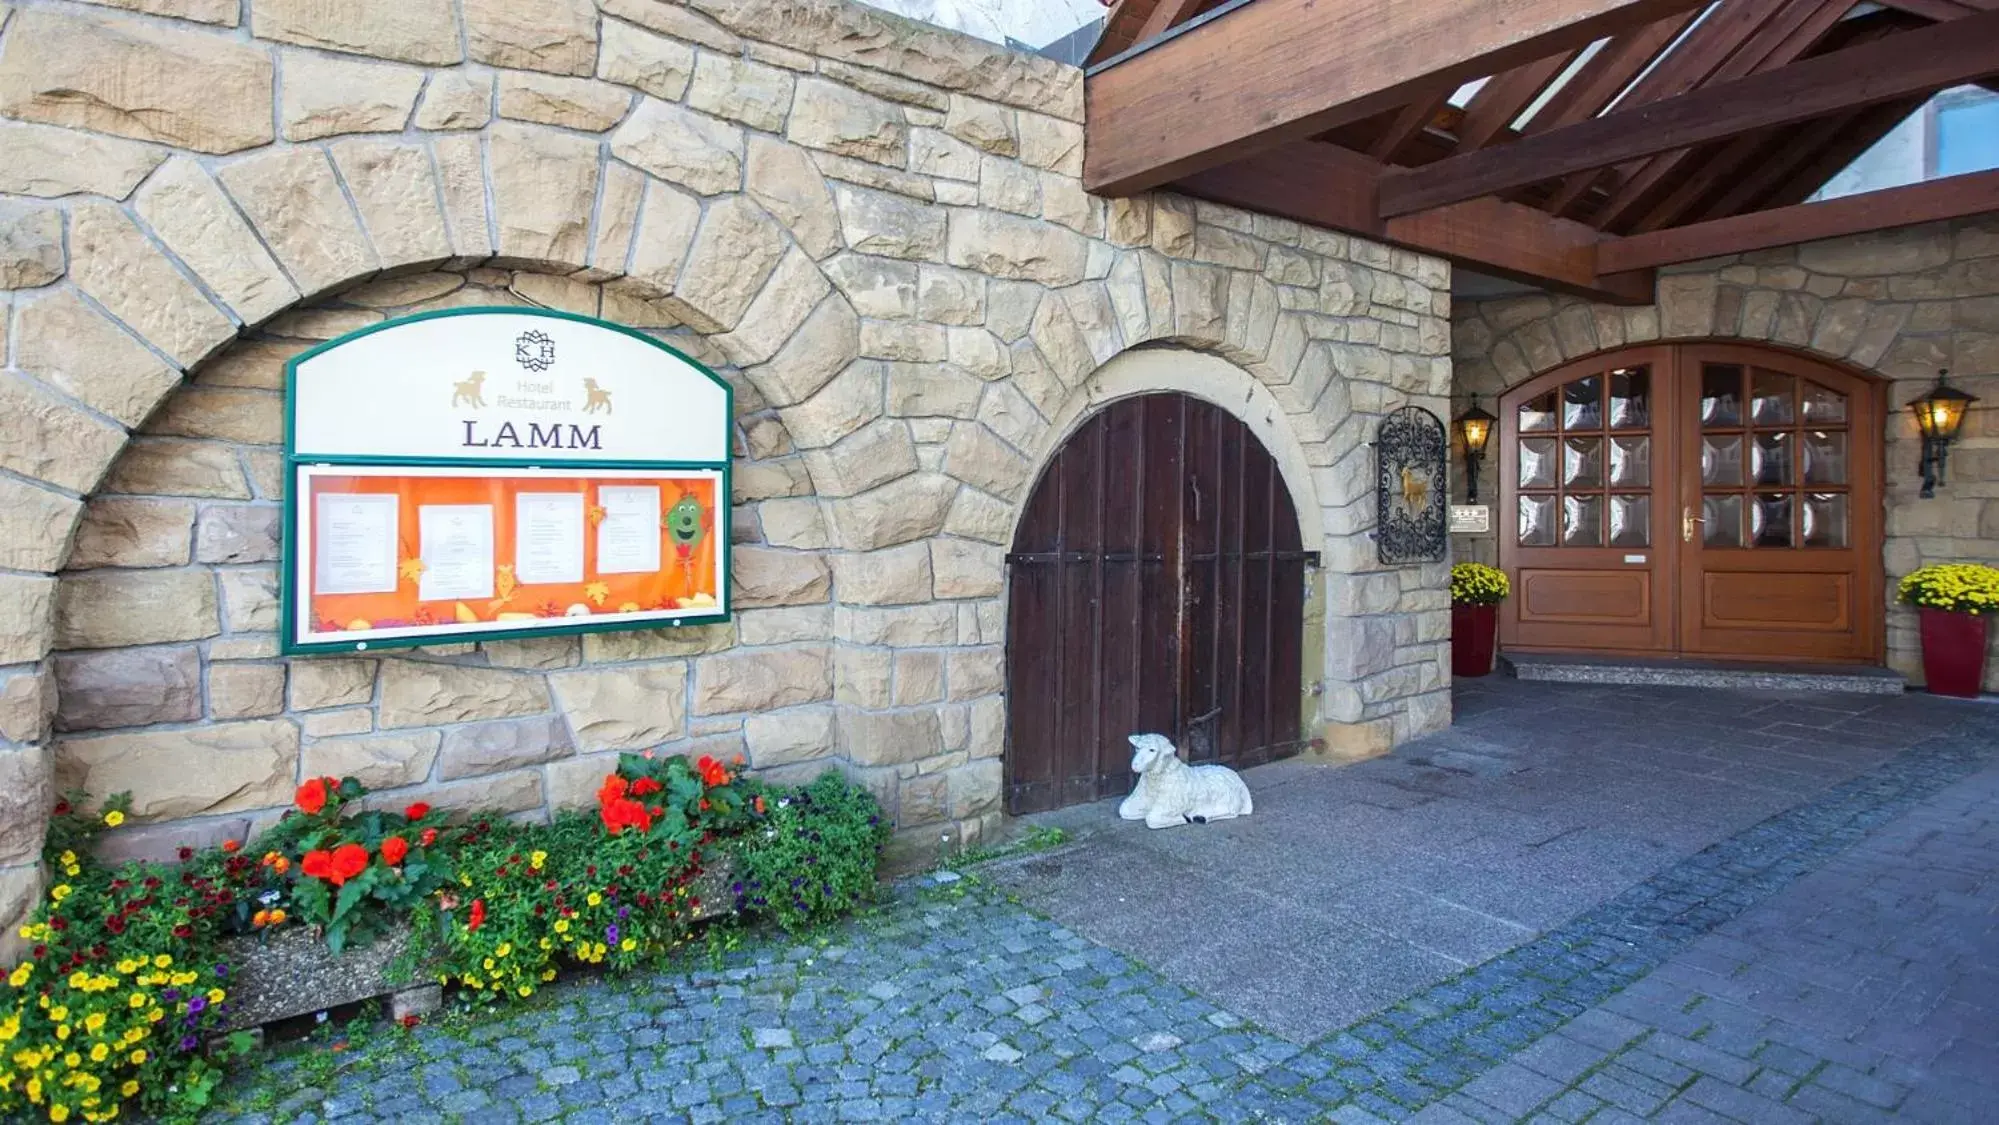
x: 1156, y: 583
x: 1714, y: 500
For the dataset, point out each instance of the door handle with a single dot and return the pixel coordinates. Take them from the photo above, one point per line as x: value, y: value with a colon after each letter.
x: 1687, y: 521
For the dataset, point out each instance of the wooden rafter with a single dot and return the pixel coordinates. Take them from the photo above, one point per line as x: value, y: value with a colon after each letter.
x: 1409, y: 122
x: 1954, y: 197
x: 1902, y: 65
x: 1608, y: 72
x: 1332, y: 187
x: 1691, y: 62
x: 1275, y: 71
x: 1781, y: 41
x: 1492, y: 110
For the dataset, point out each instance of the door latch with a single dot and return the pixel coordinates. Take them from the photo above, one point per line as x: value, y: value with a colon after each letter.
x: 1687, y: 521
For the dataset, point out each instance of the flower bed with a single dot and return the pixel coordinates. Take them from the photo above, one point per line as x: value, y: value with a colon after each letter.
x: 133, y: 969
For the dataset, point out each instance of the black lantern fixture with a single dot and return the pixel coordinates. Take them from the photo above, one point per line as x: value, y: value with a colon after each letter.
x: 1475, y: 428
x: 1938, y: 415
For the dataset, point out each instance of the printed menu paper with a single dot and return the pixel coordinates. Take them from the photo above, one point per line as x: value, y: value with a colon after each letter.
x: 548, y: 537
x: 355, y: 544
x: 628, y: 536
x: 457, y: 551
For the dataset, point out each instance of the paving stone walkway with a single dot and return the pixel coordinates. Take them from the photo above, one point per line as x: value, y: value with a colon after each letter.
x: 1836, y: 961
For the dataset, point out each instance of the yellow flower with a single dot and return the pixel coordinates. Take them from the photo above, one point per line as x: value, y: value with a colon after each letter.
x: 59, y: 892
x: 137, y: 1000
x: 537, y: 859
x: 505, y: 948
x: 94, y: 1021
x: 139, y: 1057
x: 594, y: 899
x: 58, y: 1112
x: 562, y: 925
x: 19, y: 977
x: 628, y: 945
x: 130, y: 1087
x: 525, y: 990
x: 100, y: 1052
x: 217, y: 996
x: 66, y: 858
x: 162, y: 961
x: 114, y: 818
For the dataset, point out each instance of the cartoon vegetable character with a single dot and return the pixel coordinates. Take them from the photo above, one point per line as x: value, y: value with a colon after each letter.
x: 686, y: 524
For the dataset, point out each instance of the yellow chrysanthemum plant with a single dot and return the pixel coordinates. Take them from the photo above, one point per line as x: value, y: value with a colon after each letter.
x: 1971, y: 588
x: 1478, y: 584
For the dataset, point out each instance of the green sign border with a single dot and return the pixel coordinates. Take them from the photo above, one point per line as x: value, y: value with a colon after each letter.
x: 288, y: 639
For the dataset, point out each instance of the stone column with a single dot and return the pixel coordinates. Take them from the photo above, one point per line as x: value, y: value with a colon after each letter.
x: 27, y: 703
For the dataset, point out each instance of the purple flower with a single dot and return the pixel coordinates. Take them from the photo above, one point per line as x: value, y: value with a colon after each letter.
x: 222, y: 969
x: 611, y: 933
x: 623, y: 912
x: 189, y: 1042
x: 197, y: 1004
x: 170, y: 995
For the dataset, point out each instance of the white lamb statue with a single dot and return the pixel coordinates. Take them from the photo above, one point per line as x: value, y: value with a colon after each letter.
x: 1172, y: 792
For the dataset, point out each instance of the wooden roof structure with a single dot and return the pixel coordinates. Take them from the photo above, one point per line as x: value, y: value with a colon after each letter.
x: 1574, y: 144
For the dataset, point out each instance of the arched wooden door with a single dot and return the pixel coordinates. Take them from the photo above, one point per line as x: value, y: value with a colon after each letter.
x: 1156, y: 583
x: 1711, y: 500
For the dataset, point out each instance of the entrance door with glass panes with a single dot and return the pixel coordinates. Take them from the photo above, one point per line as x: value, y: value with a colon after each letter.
x: 1710, y: 500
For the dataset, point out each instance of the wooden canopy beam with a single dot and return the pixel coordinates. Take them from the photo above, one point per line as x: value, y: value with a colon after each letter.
x: 1328, y: 186
x: 1950, y: 198
x: 1910, y: 63
x: 1283, y: 70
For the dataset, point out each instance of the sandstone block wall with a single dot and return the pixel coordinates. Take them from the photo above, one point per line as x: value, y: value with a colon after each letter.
x: 1898, y: 304
x: 875, y: 229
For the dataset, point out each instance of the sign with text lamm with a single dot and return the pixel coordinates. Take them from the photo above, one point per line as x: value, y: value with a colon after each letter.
x: 490, y: 473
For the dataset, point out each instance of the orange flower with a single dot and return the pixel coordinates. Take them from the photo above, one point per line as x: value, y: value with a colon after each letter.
x: 417, y: 811
x: 394, y: 848
x: 477, y: 917
x: 758, y: 804
x: 712, y: 772
x: 645, y: 786
x: 428, y: 838
x: 317, y: 864
x: 231, y: 847
x: 349, y: 860
x: 311, y: 797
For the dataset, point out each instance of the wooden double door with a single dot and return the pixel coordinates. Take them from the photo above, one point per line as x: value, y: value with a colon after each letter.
x: 1156, y: 584
x: 1709, y: 500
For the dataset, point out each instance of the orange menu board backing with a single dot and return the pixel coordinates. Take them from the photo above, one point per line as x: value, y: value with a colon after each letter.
x: 399, y: 552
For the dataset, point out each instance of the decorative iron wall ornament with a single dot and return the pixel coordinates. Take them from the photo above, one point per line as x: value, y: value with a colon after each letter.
x: 1411, y: 456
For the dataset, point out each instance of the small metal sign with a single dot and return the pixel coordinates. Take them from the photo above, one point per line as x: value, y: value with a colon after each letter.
x: 1411, y: 491
x: 1471, y: 519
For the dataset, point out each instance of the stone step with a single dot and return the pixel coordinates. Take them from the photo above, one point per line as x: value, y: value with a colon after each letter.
x: 1865, y: 679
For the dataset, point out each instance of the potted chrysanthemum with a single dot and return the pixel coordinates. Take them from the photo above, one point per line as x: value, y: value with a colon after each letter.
x: 1955, y: 602
x: 1476, y: 591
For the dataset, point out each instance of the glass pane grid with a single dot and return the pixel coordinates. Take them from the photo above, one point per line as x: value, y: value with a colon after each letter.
x: 1584, y: 455
x: 1774, y: 460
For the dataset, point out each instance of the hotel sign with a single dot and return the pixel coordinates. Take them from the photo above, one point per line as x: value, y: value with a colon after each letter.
x: 487, y: 473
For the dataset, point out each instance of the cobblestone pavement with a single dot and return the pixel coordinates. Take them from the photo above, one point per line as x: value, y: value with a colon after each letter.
x: 1835, y: 961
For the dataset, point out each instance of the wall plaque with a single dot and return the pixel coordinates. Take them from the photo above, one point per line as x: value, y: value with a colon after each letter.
x: 485, y: 473
x: 1411, y: 489
x: 1470, y: 519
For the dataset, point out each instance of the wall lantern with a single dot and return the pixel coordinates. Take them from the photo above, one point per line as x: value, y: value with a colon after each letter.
x: 1938, y: 415
x: 1475, y: 427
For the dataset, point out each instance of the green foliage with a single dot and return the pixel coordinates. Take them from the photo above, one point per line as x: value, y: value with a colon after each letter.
x: 1478, y: 584
x: 814, y: 855
x: 496, y: 907
x: 1952, y: 587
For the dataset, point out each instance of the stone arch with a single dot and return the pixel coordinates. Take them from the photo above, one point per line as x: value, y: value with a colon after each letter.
x: 1211, y: 378
x: 891, y: 250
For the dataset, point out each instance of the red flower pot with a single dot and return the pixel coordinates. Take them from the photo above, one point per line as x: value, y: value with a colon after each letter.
x: 1953, y: 652
x: 1474, y: 637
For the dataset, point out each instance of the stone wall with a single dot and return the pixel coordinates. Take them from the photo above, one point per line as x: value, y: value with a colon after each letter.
x: 874, y: 229
x: 1898, y: 305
